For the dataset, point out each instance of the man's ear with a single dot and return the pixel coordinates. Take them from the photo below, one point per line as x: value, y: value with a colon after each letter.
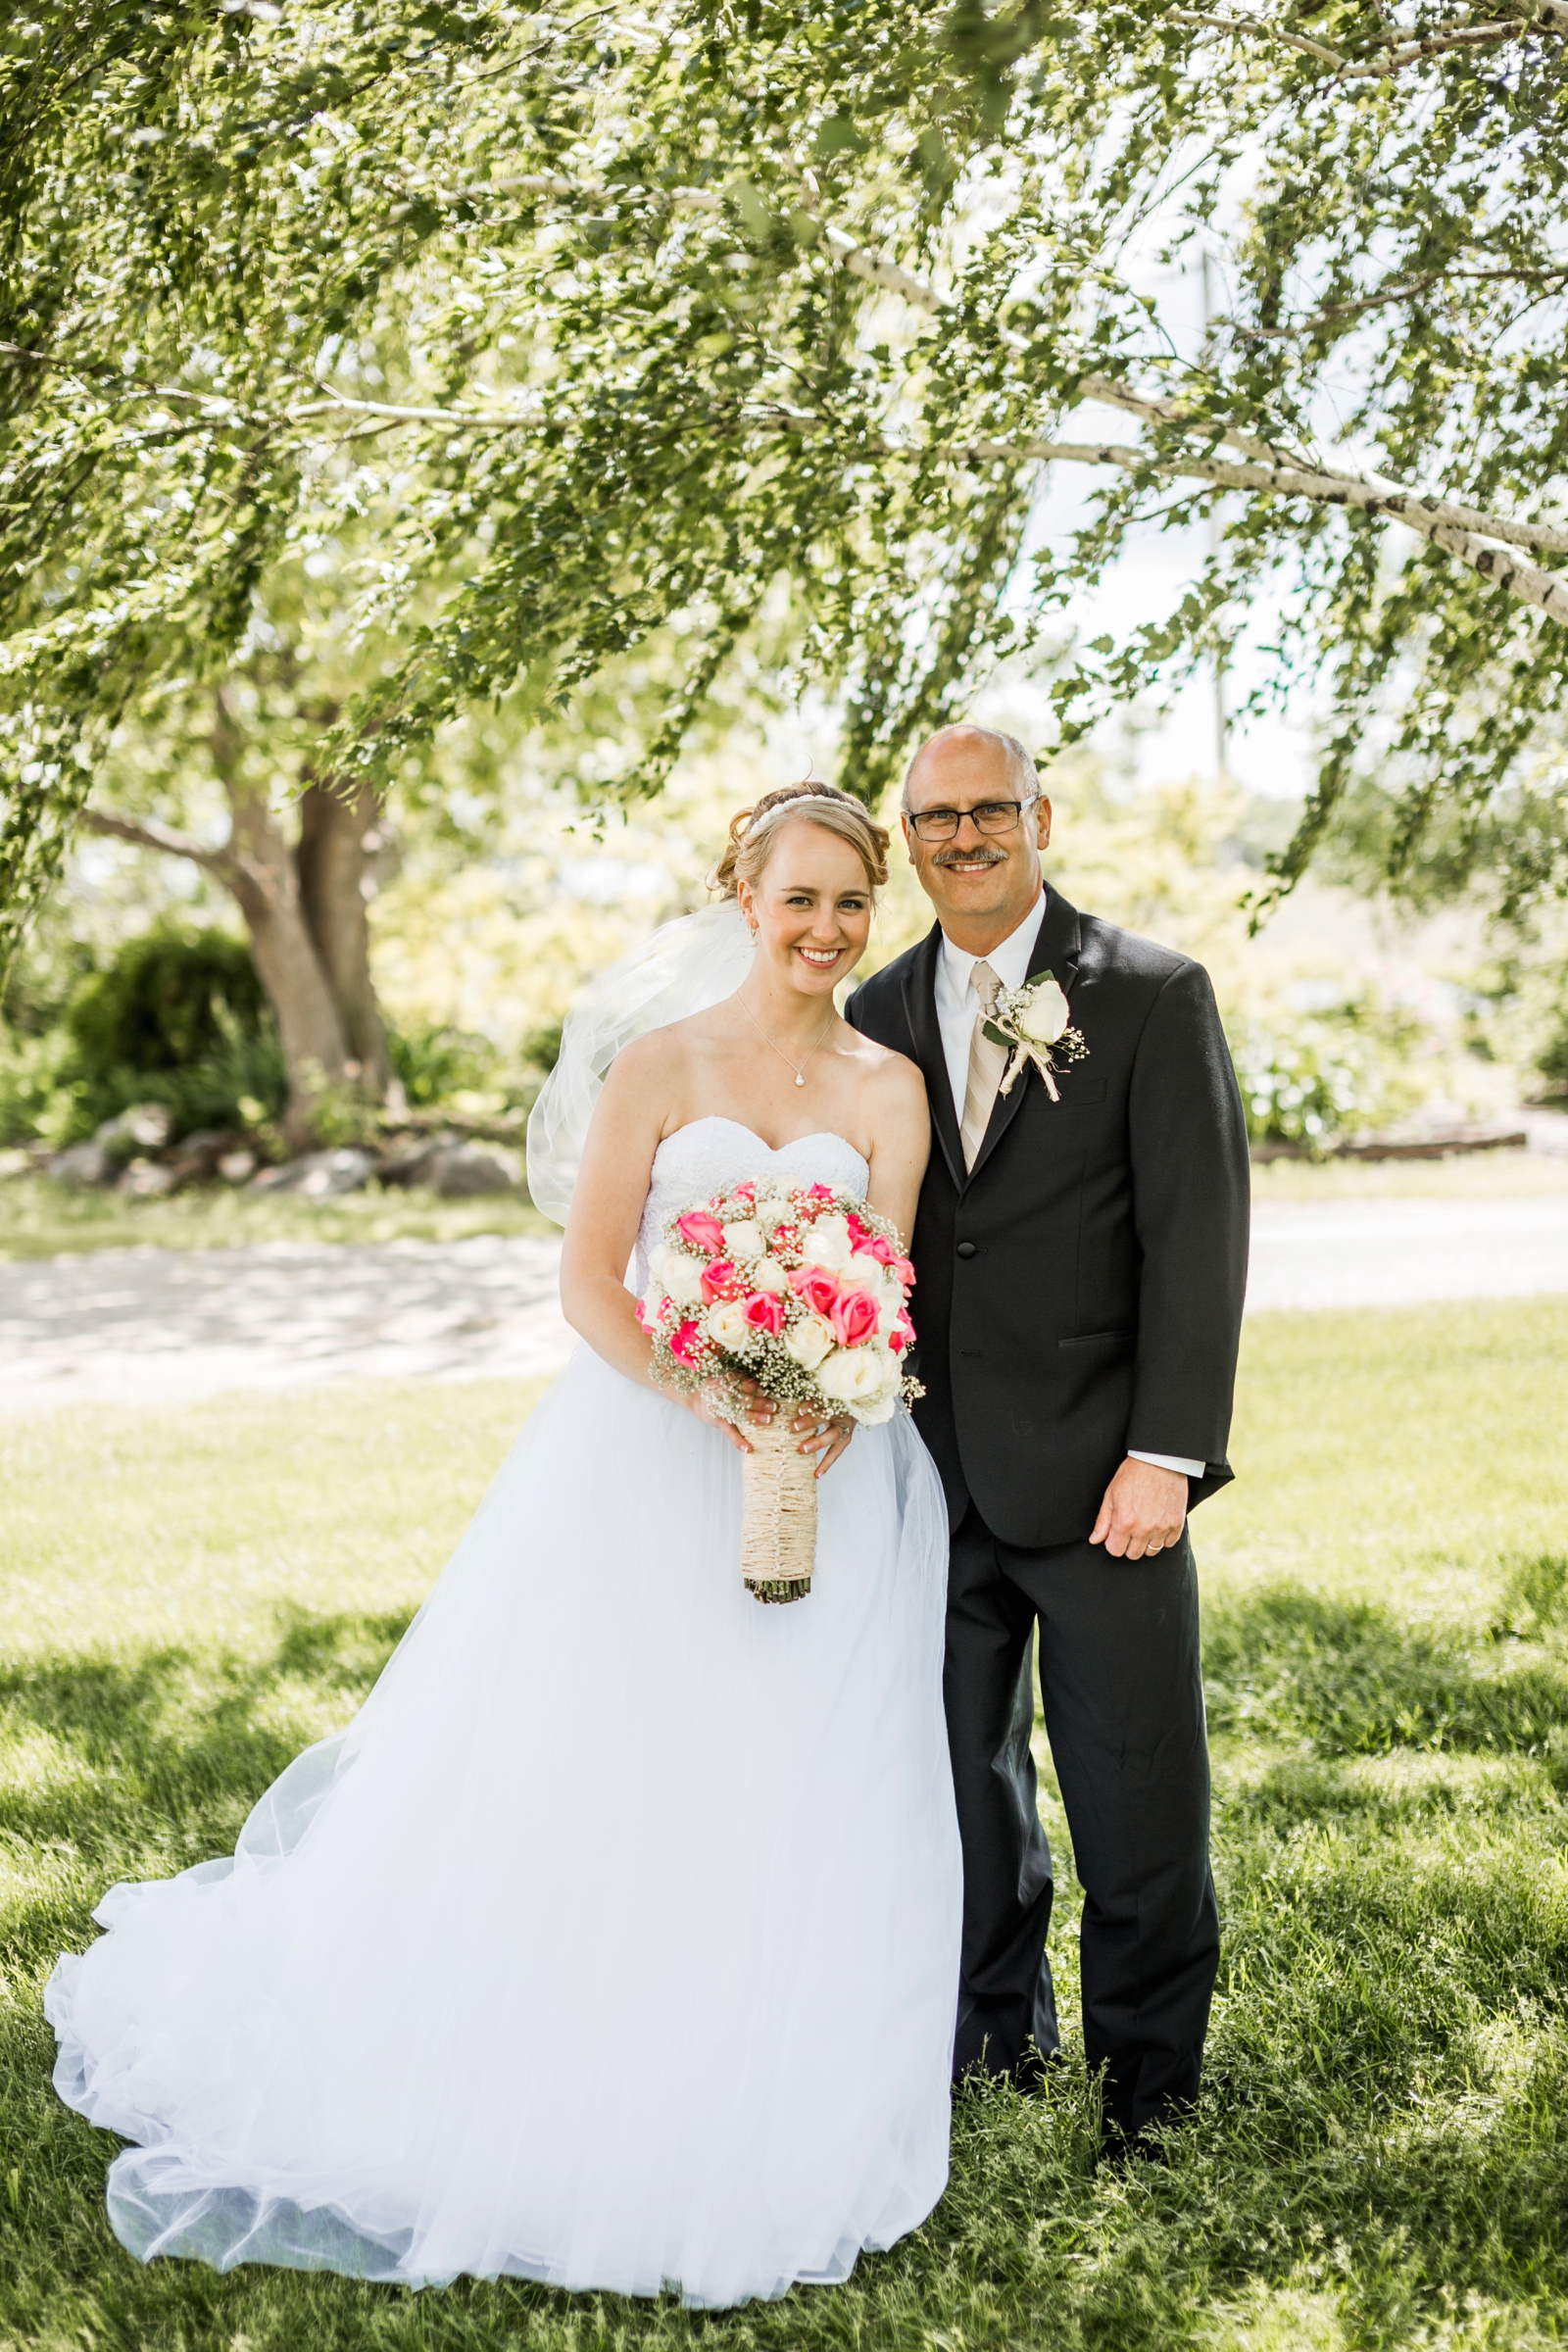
x: 1043, y: 822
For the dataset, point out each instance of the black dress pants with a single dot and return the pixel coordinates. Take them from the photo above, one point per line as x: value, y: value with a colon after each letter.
x: 1119, y: 1675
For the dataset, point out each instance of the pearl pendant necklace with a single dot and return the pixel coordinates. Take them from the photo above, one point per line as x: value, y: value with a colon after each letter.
x: 798, y: 1067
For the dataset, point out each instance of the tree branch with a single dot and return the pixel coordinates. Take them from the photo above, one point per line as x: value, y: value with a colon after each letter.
x: 147, y: 834
x: 1291, y: 40
x: 1551, y: 15
x: 1431, y: 518
x: 1399, y: 293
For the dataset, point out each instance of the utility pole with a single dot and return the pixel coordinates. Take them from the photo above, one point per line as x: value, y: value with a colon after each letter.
x: 1221, y: 729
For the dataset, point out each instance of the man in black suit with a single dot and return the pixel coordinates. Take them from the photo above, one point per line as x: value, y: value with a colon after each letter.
x: 1081, y: 1263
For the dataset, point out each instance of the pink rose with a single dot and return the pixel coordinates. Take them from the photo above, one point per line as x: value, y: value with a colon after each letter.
x: 701, y: 1231
x: 879, y: 1246
x: 819, y: 1288
x: 860, y: 1235
x: 683, y: 1343
x: 766, y: 1312
x: 902, y: 1334
x: 853, y: 1317
x: 785, y: 1238
x: 721, y: 1280
x: 821, y: 1193
x: 902, y: 1270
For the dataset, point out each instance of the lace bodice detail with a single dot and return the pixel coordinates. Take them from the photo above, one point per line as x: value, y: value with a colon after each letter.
x: 698, y: 1159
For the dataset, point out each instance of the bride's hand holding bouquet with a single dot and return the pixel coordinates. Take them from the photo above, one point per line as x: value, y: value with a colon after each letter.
x: 773, y: 1296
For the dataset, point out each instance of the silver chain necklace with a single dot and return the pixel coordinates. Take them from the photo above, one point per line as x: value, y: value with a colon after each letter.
x: 798, y: 1067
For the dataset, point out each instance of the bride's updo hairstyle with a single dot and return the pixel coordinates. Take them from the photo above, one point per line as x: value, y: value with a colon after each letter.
x: 754, y: 831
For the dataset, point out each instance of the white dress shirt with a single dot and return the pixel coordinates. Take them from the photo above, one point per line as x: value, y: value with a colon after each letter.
x: 957, y: 1007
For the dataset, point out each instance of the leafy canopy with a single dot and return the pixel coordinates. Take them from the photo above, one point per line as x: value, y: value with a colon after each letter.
x: 580, y: 327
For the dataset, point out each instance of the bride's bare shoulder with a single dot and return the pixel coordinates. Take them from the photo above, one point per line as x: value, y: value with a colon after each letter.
x: 892, y: 1081
x: 660, y: 1060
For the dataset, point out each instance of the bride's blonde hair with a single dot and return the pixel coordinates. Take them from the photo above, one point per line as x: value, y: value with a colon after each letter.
x: 753, y: 832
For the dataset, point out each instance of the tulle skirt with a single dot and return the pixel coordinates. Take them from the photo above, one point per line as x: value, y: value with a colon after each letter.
x: 615, y: 1941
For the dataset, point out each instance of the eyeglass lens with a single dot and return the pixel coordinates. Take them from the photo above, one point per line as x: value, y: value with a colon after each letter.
x: 992, y: 817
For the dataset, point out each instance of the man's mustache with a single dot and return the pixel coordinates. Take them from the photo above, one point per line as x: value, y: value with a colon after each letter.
x: 970, y: 858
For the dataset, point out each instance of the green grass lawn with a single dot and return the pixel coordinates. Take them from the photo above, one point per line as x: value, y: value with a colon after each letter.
x: 40, y: 1218
x: 1380, y: 2157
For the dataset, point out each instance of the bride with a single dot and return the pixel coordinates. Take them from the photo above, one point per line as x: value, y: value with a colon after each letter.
x: 615, y: 1944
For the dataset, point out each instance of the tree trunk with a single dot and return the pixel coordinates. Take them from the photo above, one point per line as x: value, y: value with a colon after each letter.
x: 262, y: 872
x: 266, y: 882
x: 304, y: 908
x: 330, y: 862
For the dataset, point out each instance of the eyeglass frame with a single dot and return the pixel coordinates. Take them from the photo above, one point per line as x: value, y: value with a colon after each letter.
x: 914, y: 818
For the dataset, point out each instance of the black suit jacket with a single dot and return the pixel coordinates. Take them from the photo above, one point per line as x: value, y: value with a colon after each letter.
x: 1079, y: 1291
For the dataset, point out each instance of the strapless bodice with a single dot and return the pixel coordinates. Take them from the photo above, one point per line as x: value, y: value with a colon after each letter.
x: 700, y: 1158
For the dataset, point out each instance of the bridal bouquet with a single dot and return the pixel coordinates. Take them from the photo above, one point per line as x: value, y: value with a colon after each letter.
x: 804, y: 1290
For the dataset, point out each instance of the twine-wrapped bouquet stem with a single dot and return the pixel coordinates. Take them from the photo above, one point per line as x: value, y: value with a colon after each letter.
x: 778, y: 1515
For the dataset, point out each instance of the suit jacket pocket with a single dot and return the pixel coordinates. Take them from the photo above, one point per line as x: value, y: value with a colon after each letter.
x: 1100, y: 1339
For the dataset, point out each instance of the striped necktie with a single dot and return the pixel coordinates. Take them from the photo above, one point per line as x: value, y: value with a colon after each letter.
x: 987, y: 1061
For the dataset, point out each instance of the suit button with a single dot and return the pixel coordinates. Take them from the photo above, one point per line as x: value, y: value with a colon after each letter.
x: 966, y: 1249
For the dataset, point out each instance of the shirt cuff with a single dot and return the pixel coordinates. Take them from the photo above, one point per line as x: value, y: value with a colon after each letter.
x: 1169, y: 1461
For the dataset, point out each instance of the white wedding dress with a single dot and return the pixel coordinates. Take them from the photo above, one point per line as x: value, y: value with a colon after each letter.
x: 615, y: 1941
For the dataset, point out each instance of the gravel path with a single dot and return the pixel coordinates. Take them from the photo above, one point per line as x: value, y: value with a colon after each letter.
x: 154, y: 1326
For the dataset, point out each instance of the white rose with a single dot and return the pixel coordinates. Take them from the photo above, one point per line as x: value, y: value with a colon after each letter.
x: 851, y: 1376
x: 742, y: 1240
x: 653, y: 1299
x: 809, y: 1340
x: 767, y: 1275
x: 772, y: 1211
x: 725, y: 1323
x: 881, y: 1408
x: 1043, y: 1015
x: 827, y: 1243
x: 681, y: 1276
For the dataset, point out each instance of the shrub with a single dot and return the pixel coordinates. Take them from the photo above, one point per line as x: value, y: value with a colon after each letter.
x: 1305, y: 1082
x: 169, y: 1000
x: 434, y: 1064
x: 1309, y: 1078
x: 176, y: 1017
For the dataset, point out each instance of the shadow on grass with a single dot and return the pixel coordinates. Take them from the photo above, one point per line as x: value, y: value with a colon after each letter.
x: 163, y: 1752
x: 1350, y: 1678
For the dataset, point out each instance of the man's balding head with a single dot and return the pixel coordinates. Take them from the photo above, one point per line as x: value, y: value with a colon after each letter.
x: 989, y: 744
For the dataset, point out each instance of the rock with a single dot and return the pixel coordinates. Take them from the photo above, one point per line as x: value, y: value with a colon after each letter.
x: 144, y: 1127
x: 462, y: 1171
x: 318, y: 1175
x: 409, y: 1163
x: 82, y: 1165
x: 237, y: 1167
x: 145, y: 1180
x: 196, y: 1156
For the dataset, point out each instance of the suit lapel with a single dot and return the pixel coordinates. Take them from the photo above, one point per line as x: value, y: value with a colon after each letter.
x: 921, y: 1011
x: 1056, y: 949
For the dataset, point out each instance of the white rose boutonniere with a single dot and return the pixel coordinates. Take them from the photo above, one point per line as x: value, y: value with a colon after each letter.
x: 1034, y: 1023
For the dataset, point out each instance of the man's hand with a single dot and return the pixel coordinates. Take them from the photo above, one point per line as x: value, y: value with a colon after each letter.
x: 1144, y: 1511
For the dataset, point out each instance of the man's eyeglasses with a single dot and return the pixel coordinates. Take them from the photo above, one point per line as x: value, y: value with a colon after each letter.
x: 992, y: 817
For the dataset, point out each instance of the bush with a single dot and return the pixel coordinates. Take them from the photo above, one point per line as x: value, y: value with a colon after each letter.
x: 434, y: 1064
x: 1309, y: 1078
x: 38, y: 1100
x: 176, y: 1017
x: 1305, y: 1082
x: 169, y: 1001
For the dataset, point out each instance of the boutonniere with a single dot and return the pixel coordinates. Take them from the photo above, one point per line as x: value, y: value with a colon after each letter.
x: 1032, y: 1022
